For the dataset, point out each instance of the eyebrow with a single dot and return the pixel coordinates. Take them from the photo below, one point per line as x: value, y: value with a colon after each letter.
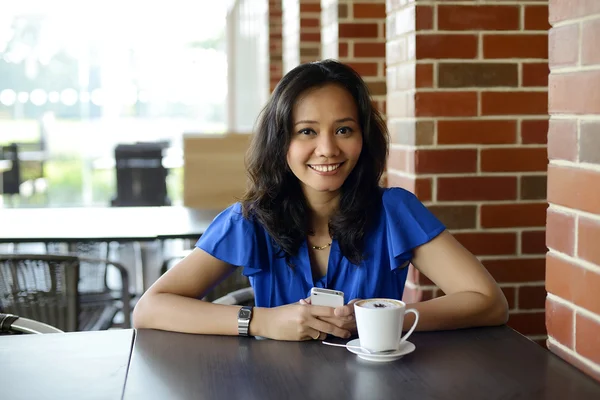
x: 306, y: 121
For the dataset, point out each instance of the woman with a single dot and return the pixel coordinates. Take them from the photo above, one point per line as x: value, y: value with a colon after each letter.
x: 314, y: 215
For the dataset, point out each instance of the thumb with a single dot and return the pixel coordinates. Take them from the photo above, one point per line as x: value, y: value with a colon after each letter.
x: 346, y: 310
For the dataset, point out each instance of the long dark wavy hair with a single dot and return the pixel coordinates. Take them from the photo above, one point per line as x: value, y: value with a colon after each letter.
x: 274, y: 196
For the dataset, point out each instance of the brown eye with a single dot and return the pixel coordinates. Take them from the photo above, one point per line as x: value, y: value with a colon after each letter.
x: 344, y: 130
x: 306, y: 132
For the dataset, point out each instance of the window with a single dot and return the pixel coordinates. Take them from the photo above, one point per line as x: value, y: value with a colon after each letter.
x: 90, y: 75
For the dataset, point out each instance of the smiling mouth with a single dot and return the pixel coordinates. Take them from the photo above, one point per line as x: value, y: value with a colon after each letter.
x: 326, y: 167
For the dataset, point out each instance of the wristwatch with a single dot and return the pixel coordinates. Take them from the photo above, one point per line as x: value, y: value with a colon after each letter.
x: 244, y: 317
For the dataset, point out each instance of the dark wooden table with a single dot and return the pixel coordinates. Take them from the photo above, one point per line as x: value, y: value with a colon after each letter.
x: 485, y: 363
x: 81, y: 365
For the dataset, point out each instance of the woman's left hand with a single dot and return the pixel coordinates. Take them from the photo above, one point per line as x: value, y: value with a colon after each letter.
x: 344, y: 316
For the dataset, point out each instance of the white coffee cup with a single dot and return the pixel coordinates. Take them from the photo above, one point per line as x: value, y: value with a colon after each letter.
x: 379, y: 323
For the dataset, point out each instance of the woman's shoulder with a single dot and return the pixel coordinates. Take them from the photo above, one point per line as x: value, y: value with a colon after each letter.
x: 393, y: 196
x: 402, y: 206
x: 408, y: 223
x: 233, y: 212
x: 233, y: 221
x: 235, y: 239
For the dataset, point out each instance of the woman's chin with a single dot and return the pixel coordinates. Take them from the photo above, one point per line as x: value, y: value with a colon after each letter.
x: 323, y: 188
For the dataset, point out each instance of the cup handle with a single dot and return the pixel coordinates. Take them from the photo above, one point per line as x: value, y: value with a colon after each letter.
x: 412, y: 328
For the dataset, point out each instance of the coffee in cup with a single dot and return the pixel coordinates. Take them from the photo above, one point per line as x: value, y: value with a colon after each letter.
x: 379, y: 323
x: 379, y: 303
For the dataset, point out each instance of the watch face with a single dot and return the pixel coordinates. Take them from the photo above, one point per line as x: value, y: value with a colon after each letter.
x: 244, y: 313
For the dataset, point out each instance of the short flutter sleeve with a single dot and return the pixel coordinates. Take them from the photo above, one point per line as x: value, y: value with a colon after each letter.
x: 409, y: 224
x: 235, y: 240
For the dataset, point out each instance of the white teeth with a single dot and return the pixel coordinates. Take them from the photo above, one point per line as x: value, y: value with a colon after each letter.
x: 325, y: 168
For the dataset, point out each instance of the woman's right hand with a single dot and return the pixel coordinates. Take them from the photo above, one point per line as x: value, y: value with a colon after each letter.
x: 300, y: 322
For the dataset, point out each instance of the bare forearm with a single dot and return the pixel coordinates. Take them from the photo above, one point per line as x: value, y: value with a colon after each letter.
x: 171, y: 312
x: 458, y: 310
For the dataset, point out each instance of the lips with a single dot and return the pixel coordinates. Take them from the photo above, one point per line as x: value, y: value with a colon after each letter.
x: 325, y: 167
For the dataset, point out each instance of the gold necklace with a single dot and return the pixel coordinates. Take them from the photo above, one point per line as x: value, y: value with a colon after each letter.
x: 321, y: 247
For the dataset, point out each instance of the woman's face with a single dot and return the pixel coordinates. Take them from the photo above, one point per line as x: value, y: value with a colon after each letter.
x: 326, y: 138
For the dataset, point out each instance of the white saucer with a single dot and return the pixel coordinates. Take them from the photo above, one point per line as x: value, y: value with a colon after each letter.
x: 405, y: 348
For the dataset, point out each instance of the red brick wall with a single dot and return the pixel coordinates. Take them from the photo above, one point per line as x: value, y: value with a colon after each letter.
x: 275, y: 44
x: 573, y: 259
x: 302, y: 32
x: 353, y: 31
x: 467, y: 112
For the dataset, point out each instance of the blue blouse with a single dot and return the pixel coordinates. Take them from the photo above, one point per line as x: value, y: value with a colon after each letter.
x: 403, y: 224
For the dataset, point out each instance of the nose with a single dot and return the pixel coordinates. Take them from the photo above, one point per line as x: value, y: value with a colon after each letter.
x: 327, y: 146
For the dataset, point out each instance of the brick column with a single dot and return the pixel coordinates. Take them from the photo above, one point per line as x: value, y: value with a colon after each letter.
x: 275, y: 44
x: 467, y: 112
x: 573, y: 259
x: 353, y: 31
x: 302, y: 32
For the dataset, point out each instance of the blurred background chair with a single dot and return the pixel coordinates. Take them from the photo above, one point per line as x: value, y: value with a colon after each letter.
x: 44, y: 287
x: 141, y: 180
x: 13, y: 325
x: 27, y: 176
x: 33, y: 157
x: 11, y: 179
x: 95, y: 271
x: 141, y: 177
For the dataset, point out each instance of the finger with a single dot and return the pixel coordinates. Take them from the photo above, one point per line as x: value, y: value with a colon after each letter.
x: 340, y: 322
x: 303, y: 302
x: 347, y: 310
x: 307, y: 300
x: 326, y: 327
x: 321, y: 311
x: 313, y: 334
x: 344, y: 311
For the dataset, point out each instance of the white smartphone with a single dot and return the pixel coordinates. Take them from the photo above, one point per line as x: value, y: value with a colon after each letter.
x: 326, y: 297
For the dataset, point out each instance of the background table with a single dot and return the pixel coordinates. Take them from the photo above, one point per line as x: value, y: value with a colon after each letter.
x: 75, y: 224
x: 108, y: 224
x: 486, y: 363
x: 82, y: 365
